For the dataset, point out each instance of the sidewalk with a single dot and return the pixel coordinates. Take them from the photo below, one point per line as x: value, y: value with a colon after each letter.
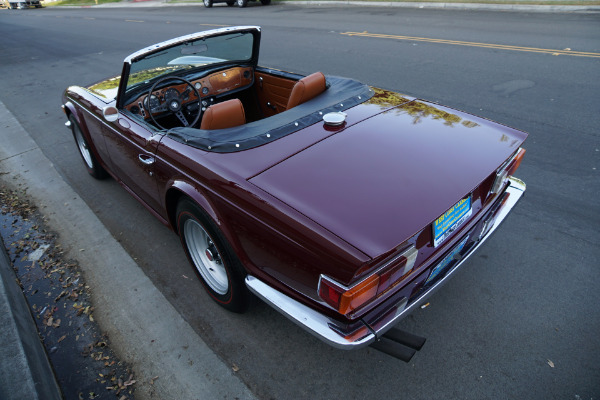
x: 166, y: 347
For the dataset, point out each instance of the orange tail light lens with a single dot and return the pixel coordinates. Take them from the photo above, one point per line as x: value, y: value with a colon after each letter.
x: 516, y: 162
x: 346, y: 299
x: 507, y: 169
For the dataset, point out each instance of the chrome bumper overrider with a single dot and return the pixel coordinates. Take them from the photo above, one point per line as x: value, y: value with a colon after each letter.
x: 327, y: 329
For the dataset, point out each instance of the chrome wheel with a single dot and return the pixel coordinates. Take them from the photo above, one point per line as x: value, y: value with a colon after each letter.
x: 206, y: 256
x: 83, y: 147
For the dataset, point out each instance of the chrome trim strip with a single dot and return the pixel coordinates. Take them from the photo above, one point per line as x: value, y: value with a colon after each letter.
x: 320, y: 326
x: 194, y: 36
x: 410, y: 253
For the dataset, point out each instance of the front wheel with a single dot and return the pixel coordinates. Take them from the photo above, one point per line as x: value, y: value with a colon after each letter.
x: 242, y: 3
x: 211, y: 255
x: 91, y: 164
x: 208, y: 3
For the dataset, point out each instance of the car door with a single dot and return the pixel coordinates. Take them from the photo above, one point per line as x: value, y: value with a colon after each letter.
x: 132, y: 149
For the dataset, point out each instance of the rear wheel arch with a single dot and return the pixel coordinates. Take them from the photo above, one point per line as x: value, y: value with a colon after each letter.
x: 181, y: 190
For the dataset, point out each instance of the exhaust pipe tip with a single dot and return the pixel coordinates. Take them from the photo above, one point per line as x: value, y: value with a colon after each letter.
x: 406, y: 338
x: 394, y: 349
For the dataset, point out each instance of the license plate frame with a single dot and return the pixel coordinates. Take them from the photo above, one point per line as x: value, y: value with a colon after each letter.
x: 441, y: 266
x: 449, y: 221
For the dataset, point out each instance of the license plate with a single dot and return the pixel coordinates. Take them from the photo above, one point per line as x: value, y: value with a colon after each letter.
x: 446, y: 261
x: 450, y: 220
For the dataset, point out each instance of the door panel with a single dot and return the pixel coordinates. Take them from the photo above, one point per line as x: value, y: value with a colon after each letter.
x: 132, y: 150
x: 273, y: 90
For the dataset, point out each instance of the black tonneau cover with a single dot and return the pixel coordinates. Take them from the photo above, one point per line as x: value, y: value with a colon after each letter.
x: 341, y: 94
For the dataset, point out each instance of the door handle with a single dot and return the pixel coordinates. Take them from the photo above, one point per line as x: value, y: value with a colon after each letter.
x: 146, y: 159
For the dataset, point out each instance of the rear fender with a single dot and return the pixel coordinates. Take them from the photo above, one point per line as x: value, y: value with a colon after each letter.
x: 180, y: 189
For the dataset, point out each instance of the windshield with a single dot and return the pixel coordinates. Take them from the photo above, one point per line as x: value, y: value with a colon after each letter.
x: 229, y: 47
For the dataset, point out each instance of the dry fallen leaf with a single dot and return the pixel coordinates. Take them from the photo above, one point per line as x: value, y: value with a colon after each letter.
x: 63, y: 337
x: 235, y: 368
x: 551, y: 364
x: 153, y: 379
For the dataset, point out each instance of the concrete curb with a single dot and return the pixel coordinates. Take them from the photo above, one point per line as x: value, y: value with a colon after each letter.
x: 144, y: 328
x: 423, y: 5
x: 25, y: 372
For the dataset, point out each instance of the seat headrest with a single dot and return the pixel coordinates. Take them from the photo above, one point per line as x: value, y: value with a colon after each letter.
x: 307, y: 88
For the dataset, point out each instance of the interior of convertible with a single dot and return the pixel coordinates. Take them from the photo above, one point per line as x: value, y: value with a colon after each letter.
x: 228, y: 98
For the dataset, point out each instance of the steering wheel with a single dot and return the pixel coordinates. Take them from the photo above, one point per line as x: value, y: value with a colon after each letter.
x: 173, y: 103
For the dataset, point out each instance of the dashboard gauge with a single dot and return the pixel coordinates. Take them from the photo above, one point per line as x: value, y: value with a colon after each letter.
x: 171, y: 94
x: 204, y: 90
x: 198, y: 85
x: 153, y: 103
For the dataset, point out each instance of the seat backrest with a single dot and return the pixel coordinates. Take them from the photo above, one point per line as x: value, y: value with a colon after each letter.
x: 223, y: 115
x: 307, y: 88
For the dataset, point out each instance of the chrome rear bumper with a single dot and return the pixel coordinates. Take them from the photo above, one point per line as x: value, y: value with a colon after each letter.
x: 330, y: 330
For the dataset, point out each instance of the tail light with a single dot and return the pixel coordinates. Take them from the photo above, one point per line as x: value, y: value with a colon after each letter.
x: 346, y: 299
x: 515, y: 162
x: 508, y: 168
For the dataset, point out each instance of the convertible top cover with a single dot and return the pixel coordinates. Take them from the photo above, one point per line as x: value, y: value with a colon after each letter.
x: 341, y: 94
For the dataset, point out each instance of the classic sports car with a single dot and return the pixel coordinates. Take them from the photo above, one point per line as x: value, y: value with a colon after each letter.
x: 341, y: 205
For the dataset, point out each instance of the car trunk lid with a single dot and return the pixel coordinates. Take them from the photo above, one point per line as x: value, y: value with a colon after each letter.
x: 377, y: 183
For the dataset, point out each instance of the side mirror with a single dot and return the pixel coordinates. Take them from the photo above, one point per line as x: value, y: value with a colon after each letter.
x: 110, y: 113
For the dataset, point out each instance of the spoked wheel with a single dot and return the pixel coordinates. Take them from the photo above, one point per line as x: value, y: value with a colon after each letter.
x: 241, y: 3
x: 212, y: 257
x: 91, y: 164
x: 208, y: 3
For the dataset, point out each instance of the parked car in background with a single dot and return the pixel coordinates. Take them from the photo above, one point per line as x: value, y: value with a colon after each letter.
x: 341, y: 205
x: 21, y: 4
x: 230, y: 3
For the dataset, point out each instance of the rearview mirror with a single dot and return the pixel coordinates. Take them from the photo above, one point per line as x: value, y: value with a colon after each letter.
x: 194, y: 49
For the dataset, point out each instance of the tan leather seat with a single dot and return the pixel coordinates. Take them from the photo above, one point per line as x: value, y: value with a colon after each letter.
x: 307, y: 88
x: 223, y: 115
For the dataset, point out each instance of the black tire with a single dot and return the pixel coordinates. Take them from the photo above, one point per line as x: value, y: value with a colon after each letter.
x: 241, y: 3
x: 213, y: 259
x: 89, y: 160
x: 265, y: 2
x: 208, y: 3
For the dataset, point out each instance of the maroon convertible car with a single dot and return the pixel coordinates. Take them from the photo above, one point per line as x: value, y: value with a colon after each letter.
x: 341, y: 205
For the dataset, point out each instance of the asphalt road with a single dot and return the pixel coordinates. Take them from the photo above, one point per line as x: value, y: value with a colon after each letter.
x: 520, y: 320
